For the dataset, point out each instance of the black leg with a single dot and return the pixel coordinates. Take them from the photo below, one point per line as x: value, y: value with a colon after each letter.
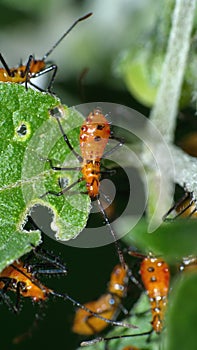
x: 55, y: 112
x: 108, y: 172
x: 59, y: 168
x: 119, y: 144
x: 9, y: 283
x: 57, y: 194
x: 187, y: 195
x: 5, y: 65
x: 27, y: 70
x: 50, y: 264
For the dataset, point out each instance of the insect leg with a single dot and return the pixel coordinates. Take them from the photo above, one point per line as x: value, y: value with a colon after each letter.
x: 95, y: 314
x: 8, y: 284
x: 187, y: 195
x: 5, y: 65
x: 50, y: 264
x: 119, y: 144
x: 56, y: 112
x: 59, y: 168
x: 27, y: 70
x: 57, y: 194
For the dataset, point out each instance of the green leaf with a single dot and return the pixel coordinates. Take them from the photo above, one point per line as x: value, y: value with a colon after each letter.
x: 141, y: 71
x: 141, y: 317
x: 181, y: 316
x: 171, y: 240
x: 29, y: 133
x: 141, y: 77
x: 141, y: 66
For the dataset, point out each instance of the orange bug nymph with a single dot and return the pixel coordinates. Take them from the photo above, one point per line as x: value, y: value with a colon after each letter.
x: 94, y: 136
x: 21, y: 277
x: 95, y: 133
x: 16, y: 278
x: 34, y: 68
x: 107, y: 305
x: 155, y: 277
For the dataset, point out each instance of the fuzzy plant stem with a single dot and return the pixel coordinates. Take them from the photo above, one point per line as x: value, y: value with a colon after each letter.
x: 161, y: 177
x: 164, y: 112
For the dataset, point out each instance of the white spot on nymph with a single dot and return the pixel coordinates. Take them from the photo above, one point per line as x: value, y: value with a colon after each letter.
x: 118, y: 286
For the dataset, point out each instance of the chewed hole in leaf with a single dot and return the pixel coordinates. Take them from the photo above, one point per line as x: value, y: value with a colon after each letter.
x: 22, y: 131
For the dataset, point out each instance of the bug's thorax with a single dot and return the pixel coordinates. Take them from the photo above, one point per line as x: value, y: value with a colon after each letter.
x: 18, y: 75
x: 36, y: 66
x: 119, y: 281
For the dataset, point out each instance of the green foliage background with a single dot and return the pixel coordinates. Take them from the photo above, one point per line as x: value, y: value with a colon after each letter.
x: 32, y: 27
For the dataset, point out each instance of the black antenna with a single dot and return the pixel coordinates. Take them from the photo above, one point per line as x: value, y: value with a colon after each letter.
x: 93, y: 313
x: 115, y: 238
x: 100, y: 339
x: 65, y: 34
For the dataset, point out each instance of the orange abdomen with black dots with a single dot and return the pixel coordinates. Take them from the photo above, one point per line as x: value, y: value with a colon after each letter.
x: 94, y: 136
x: 156, y: 277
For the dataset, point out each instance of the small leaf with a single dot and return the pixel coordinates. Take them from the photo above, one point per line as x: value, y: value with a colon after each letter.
x: 172, y: 240
x: 181, y: 317
x: 29, y: 133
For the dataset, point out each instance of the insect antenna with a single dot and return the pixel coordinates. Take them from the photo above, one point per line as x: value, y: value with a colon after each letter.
x: 95, y: 314
x: 115, y: 238
x: 65, y: 34
x: 101, y: 339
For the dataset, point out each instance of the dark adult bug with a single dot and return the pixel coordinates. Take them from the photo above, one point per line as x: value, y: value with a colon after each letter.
x: 34, y: 68
x: 94, y: 136
x: 185, y: 207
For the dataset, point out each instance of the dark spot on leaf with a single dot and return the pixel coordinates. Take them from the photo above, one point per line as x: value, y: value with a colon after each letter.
x: 22, y: 130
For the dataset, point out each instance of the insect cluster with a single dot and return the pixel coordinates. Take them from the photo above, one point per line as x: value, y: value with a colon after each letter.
x: 23, y: 276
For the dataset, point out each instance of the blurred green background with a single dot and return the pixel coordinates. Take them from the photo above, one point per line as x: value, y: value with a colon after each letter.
x: 32, y: 27
x: 95, y: 46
